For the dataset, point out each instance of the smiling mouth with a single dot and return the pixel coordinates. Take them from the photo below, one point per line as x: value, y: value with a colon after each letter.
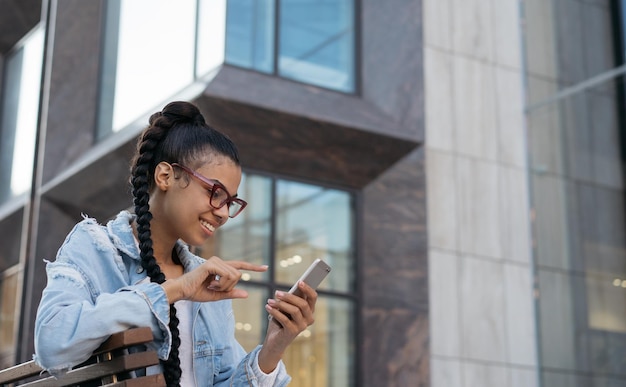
x: 207, y: 225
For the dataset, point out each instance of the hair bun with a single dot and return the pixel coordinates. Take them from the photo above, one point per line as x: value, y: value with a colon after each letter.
x: 199, y: 118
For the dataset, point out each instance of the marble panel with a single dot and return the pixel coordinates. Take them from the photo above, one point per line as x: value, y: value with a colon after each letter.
x: 444, y: 303
x: 438, y: 23
x: 520, y: 315
x: 392, y: 74
x: 473, y: 29
x: 73, y: 85
x: 507, y: 36
x: 395, y: 349
x: 479, y: 213
x: 442, y: 200
x: 445, y: 372
x: 478, y: 374
x: 482, y: 311
x: 394, y: 241
x: 16, y: 19
x: 512, y: 145
x: 439, y: 100
x: 514, y: 214
x: 393, y: 244
x: 475, y: 108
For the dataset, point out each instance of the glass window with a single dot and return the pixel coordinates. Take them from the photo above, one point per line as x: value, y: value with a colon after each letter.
x: 577, y: 178
x: 316, y: 39
x: 317, y: 42
x: 287, y: 225
x: 19, y: 112
x: 145, y: 60
x: 250, y: 34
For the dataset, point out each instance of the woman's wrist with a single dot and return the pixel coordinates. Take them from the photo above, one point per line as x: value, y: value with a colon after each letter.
x: 172, y: 291
x: 268, y: 359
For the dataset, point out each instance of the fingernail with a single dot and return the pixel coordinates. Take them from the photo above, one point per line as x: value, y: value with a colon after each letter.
x: 264, y: 266
x: 279, y: 294
x: 271, y: 301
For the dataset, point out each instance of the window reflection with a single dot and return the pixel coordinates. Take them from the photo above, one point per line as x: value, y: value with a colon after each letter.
x: 146, y: 60
x: 298, y: 223
x: 317, y: 42
x: 313, y: 222
x: 250, y: 34
x: 316, y: 39
x: 20, y: 107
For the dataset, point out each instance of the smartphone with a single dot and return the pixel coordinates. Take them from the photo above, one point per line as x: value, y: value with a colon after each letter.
x: 313, y: 276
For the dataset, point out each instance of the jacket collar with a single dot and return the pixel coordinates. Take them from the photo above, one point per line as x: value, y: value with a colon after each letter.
x: 122, y: 237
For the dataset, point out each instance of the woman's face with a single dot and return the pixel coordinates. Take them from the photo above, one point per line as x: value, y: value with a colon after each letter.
x: 181, y: 204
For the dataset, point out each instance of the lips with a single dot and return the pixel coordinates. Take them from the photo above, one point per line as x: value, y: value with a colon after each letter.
x: 207, y: 225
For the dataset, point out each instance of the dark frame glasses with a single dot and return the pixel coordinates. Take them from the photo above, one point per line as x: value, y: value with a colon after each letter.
x: 219, y: 196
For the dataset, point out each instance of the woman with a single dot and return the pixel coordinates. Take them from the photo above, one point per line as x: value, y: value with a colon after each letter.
x: 136, y: 271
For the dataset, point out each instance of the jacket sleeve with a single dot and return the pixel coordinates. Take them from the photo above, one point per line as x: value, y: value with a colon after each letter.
x: 88, y: 298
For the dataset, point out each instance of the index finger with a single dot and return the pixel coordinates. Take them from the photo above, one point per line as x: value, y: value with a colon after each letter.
x: 243, y: 265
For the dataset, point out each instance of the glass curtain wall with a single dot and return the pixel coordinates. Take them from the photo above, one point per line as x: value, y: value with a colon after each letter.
x: 576, y: 132
x: 309, y: 41
x: 153, y: 49
x: 287, y: 225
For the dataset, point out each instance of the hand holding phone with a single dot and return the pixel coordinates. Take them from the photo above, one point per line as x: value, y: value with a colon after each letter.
x: 313, y: 276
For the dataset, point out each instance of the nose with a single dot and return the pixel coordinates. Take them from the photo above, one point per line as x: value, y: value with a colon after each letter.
x: 222, y: 213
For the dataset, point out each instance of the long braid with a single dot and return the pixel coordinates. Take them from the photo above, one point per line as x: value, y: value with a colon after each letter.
x: 177, y: 134
x: 141, y: 182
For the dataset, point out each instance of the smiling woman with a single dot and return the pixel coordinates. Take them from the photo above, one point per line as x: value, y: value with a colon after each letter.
x: 139, y: 271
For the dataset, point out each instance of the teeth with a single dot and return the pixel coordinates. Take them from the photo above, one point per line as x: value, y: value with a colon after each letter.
x: 207, y: 225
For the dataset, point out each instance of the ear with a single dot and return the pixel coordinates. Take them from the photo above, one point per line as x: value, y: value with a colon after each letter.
x: 163, y: 176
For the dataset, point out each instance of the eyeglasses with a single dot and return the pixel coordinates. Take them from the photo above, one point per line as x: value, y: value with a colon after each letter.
x: 217, y: 192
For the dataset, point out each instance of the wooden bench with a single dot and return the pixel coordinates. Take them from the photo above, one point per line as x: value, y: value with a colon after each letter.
x: 108, y: 366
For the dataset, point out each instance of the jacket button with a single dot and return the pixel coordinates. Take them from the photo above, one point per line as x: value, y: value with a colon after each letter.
x: 139, y: 270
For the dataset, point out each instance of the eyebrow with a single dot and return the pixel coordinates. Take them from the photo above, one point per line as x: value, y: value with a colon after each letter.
x: 223, y: 185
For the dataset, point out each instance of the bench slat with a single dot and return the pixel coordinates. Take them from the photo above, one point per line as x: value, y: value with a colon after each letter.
x: 19, y: 372
x: 150, y: 380
x: 98, y: 370
x: 125, y: 339
x: 81, y: 373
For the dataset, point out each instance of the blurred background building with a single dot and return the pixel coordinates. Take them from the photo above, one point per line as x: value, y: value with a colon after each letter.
x: 460, y: 164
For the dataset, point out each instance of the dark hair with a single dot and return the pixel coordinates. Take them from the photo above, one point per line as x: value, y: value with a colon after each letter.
x: 177, y: 134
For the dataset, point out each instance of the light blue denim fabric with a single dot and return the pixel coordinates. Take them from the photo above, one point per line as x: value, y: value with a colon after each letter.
x: 93, y: 291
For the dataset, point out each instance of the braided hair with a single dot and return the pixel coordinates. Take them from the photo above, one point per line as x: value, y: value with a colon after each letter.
x: 177, y: 134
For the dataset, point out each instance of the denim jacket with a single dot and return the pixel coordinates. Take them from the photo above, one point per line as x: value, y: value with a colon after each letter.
x: 94, y: 290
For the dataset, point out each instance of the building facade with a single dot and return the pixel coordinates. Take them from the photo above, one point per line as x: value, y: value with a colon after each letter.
x: 458, y: 163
